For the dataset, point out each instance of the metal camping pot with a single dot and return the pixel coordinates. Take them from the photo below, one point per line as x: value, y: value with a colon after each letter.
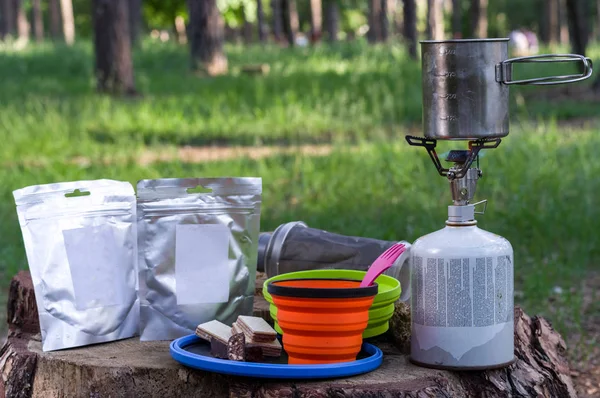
x: 465, y: 86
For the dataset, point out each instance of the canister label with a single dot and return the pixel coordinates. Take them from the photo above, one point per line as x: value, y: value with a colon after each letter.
x: 462, y: 292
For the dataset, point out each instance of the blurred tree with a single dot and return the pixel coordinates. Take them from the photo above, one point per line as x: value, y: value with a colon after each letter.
x: 292, y: 22
x: 22, y: 23
x: 435, y: 19
x: 135, y: 20
x: 549, y: 26
x: 38, y: 20
x: 316, y: 20
x: 66, y: 7
x: 206, y: 37
x: 456, y: 19
x: 260, y: 21
x: 332, y: 16
x: 375, y: 11
x: 247, y: 28
x: 479, y: 18
x: 278, y: 19
x: 112, y: 47
x: 384, y: 20
x: 54, y: 11
x: 578, y: 25
x: 9, y: 19
x: 410, y: 26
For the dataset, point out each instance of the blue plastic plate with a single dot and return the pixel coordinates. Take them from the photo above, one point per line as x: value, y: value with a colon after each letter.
x: 194, y: 352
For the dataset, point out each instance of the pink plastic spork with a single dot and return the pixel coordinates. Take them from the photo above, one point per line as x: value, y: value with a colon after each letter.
x: 383, y: 262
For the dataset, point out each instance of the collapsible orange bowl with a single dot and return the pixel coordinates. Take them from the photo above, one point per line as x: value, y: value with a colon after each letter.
x: 322, y: 319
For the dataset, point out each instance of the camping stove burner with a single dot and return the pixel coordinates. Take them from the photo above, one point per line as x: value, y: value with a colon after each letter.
x: 469, y: 155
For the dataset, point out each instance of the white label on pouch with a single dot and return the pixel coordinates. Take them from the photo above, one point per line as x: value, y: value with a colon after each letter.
x: 462, y: 292
x: 94, y: 258
x: 201, y: 264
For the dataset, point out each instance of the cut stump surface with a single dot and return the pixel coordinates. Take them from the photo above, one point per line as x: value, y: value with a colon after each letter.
x: 130, y: 368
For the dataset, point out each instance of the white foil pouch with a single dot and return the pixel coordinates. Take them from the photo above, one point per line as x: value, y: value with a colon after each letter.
x: 197, y: 252
x: 81, y: 245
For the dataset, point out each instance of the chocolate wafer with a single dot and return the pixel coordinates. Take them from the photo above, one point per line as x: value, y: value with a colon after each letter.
x: 256, y: 328
x: 269, y: 348
x: 214, y: 329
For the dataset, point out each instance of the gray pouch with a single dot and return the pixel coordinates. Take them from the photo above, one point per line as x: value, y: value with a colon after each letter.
x: 82, y: 254
x: 197, y: 252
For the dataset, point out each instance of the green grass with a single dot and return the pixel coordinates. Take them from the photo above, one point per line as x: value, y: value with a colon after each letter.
x: 541, y: 183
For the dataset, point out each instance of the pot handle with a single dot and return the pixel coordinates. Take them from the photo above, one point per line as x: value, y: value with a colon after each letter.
x: 504, y: 69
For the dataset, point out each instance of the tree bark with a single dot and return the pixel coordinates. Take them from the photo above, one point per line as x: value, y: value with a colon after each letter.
x: 38, y: 20
x: 578, y: 26
x: 374, y: 33
x: 114, y: 65
x: 456, y: 19
x: 54, y: 13
x: 260, y: 21
x: 66, y: 7
x: 316, y: 20
x: 292, y: 23
x: 410, y: 26
x: 384, y: 20
x: 135, y: 20
x: 278, y: 19
x: 133, y: 368
x: 435, y: 19
x: 332, y: 20
x: 479, y: 18
x: 206, y: 37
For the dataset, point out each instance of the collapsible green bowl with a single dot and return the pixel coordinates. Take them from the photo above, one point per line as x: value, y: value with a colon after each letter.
x: 380, y: 312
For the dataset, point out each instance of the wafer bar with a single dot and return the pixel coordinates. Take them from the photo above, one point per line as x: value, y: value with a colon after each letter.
x: 214, y: 329
x: 256, y: 328
x: 269, y: 348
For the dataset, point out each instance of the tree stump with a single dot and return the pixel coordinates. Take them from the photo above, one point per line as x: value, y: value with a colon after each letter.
x: 130, y: 368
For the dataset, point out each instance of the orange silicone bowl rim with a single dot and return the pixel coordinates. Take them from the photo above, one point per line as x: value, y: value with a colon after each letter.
x: 352, y: 288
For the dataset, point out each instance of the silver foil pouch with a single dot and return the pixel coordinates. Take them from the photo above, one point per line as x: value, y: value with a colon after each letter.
x: 197, y: 252
x: 81, y: 245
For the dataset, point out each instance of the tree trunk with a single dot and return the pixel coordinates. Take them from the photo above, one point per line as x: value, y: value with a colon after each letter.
x: 22, y: 23
x: 410, y: 26
x: 133, y: 368
x: 384, y: 20
x: 38, y: 20
x: 206, y: 37
x: 114, y: 66
x: 578, y: 26
x: 316, y: 20
x: 550, y: 27
x: 278, y: 19
x: 564, y: 23
x: 456, y: 19
x: 374, y: 33
x: 9, y: 20
x: 479, y: 18
x: 260, y: 21
x: 332, y: 13
x: 66, y: 7
x: 292, y: 23
x: 135, y: 20
x: 435, y: 19
x: 54, y: 12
